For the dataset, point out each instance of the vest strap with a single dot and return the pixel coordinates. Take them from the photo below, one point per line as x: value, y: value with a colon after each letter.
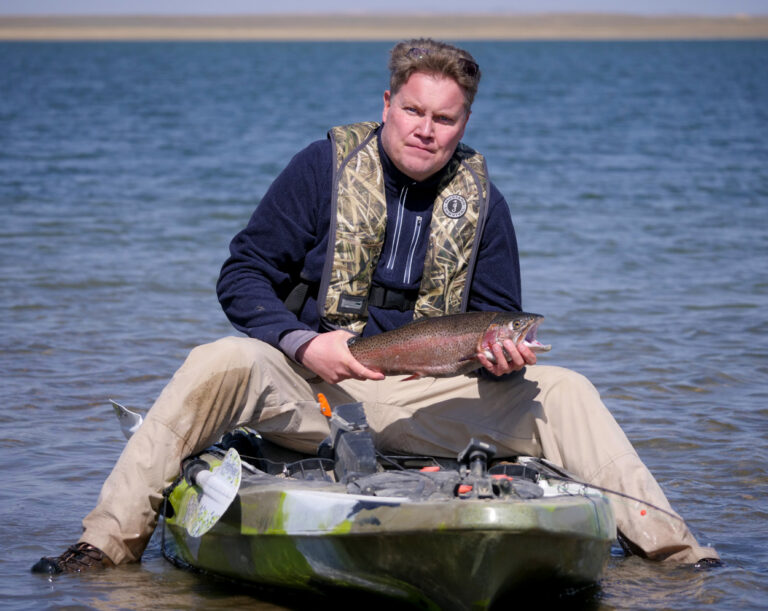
x: 379, y: 297
x: 392, y: 299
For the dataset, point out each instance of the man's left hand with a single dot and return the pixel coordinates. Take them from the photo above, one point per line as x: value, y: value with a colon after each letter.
x: 517, y: 357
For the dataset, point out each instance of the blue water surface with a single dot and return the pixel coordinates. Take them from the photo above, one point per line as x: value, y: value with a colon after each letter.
x: 636, y: 175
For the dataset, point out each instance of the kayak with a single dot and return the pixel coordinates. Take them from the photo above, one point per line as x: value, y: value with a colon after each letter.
x: 432, y: 532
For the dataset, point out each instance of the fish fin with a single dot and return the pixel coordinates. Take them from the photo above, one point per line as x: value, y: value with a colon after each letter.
x: 414, y: 376
x: 468, y: 358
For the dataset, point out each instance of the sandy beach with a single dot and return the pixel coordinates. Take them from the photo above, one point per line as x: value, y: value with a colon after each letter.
x: 384, y: 27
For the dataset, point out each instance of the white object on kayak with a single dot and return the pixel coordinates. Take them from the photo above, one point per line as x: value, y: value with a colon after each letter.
x: 218, y: 489
x: 129, y: 421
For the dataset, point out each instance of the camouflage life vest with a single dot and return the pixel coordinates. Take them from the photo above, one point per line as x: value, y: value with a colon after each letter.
x: 359, y: 221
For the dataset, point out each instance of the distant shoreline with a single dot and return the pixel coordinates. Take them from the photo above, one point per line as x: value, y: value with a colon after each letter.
x: 382, y: 27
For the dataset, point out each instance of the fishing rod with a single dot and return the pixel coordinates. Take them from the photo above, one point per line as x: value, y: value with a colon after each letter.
x: 617, y: 493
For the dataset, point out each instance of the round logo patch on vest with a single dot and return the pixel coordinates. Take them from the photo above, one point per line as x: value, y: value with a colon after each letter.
x: 454, y: 206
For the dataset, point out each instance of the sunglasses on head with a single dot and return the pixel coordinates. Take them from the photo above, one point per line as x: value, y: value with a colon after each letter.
x: 470, y: 68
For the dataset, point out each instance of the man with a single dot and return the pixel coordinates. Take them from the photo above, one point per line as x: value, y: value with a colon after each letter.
x: 363, y: 232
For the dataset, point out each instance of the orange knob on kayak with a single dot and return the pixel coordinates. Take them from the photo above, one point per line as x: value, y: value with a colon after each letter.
x: 325, y: 407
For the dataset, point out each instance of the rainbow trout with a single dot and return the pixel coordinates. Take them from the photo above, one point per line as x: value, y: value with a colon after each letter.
x: 445, y: 346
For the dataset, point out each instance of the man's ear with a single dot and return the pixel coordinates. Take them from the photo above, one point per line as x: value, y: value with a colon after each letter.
x: 387, y: 101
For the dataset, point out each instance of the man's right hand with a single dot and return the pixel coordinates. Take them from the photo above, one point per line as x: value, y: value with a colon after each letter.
x: 329, y: 357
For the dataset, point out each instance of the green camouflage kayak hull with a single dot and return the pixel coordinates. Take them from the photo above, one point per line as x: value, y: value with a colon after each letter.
x: 461, y: 554
x: 432, y: 532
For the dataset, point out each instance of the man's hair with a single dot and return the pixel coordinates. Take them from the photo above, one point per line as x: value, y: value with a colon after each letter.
x: 433, y: 57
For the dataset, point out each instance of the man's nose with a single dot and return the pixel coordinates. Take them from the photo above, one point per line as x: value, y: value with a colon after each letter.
x: 425, y: 128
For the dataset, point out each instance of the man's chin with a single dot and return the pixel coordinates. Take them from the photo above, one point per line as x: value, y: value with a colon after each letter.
x: 419, y: 170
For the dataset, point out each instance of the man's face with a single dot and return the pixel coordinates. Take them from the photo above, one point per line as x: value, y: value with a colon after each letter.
x: 423, y: 123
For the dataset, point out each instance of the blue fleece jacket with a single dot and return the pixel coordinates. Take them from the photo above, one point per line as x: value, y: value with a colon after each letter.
x: 286, y: 239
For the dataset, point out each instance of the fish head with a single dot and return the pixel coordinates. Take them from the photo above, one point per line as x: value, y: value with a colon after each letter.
x: 520, y: 327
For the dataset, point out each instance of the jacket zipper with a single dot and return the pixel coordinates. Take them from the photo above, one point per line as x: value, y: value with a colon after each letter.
x: 398, y: 228
x: 412, y: 251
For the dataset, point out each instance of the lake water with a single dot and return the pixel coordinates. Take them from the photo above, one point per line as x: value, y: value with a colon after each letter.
x: 637, y: 177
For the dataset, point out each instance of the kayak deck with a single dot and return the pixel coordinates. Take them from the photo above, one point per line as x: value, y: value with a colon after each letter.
x: 445, y: 537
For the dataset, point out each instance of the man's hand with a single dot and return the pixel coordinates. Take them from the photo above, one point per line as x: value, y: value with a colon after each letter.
x: 329, y: 357
x: 519, y: 356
